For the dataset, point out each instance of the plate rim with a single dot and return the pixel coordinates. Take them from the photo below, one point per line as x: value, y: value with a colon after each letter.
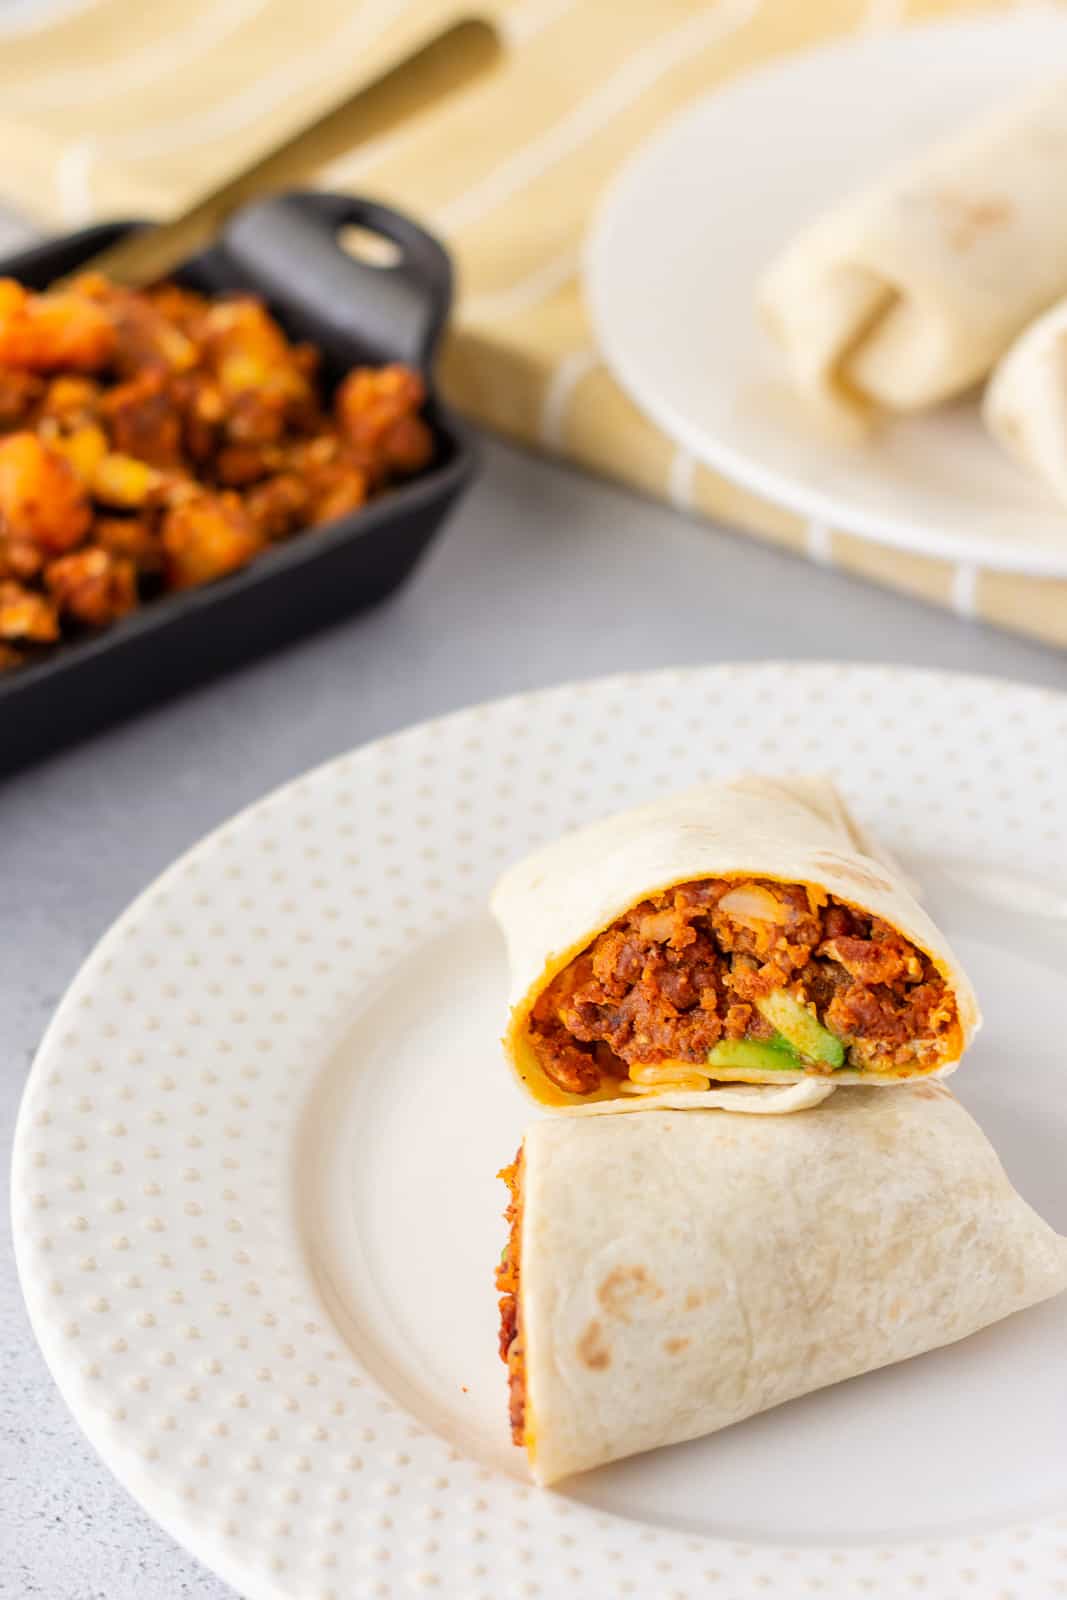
x: 119, y: 1458
x: 706, y: 446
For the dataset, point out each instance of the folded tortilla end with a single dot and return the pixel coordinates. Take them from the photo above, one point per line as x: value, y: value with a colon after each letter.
x: 696, y: 1297
x: 908, y: 291
x: 1025, y: 403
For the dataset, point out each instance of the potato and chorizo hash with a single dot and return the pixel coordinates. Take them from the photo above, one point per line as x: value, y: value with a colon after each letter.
x: 153, y: 440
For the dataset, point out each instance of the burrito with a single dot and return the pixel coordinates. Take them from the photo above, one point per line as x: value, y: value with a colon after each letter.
x: 909, y: 291
x: 746, y: 1261
x: 1025, y: 405
x: 745, y: 931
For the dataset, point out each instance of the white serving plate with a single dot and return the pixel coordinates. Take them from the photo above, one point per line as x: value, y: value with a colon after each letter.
x: 688, y: 226
x: 256, y: 1213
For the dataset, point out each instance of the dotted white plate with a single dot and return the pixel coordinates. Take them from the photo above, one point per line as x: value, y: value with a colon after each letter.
x: 254, y: 1193
x: 725, y: 185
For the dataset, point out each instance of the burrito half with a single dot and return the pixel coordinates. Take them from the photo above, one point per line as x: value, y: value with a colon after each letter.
x: 745, y: 1261
x: 909, y: 292
x: 739, y: 932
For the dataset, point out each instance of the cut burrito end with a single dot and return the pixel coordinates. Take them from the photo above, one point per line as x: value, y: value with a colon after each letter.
x: 742, y: 932
x: 737, y: 980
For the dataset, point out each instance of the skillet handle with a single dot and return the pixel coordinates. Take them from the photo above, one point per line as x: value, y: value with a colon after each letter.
x: 288, y: 245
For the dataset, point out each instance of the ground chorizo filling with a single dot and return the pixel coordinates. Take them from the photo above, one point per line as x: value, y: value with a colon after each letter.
x: 507, y: 1281
x: 722, y: 977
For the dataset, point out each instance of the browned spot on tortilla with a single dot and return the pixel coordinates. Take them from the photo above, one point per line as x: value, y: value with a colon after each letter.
x: 930, y: 1091
x: 837, y: 864
x: 967, y: 220
x: 624, y: 1287
x: 592, y: 1351
x: 693, y: 1299
x: 674, y: 1347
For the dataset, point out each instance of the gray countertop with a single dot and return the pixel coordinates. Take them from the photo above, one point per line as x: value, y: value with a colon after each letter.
x: 541, y: 576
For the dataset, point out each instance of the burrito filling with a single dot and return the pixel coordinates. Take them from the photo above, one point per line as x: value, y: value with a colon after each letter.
x: 507, y: 1282
x: 721, y: 978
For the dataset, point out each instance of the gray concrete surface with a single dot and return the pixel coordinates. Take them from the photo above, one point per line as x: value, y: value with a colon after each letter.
x: 542, y: 576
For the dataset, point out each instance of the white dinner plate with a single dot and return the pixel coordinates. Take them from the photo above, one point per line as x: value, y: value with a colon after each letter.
x: 255, y: 1201
x: 689, y: 225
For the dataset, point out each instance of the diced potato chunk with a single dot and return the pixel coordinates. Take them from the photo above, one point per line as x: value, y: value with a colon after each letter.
x: 47, y: 332
x: 124, y: 481
x: 26, y: 616
x: 205, y: 537
x: 41, y: 499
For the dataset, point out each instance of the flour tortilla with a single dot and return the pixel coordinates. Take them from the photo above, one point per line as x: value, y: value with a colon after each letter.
x: 1025, y: 405
x: 747, y: 1260
x: 795, y: 830
x: 909, y: 291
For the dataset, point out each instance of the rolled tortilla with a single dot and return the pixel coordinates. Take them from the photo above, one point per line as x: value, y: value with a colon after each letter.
x: 753, y: 1260
x: 909, y: 291
x: 1025, y: 405
x: 607, y: 896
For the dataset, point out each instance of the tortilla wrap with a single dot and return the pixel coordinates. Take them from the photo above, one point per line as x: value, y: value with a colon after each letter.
x: 748, y: 1261
x: 796, y: 831
x: 1025, y: 405
x: 909, y: 291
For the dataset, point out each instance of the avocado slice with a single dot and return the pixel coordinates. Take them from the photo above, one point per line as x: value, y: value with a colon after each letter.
x: 801, y: 1028
x: 755, y: 1055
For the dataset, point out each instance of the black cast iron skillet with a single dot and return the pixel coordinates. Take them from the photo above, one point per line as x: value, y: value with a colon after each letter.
x: 286, y: 250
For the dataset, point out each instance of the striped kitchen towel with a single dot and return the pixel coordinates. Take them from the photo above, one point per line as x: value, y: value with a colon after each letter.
x: 120, y: 108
